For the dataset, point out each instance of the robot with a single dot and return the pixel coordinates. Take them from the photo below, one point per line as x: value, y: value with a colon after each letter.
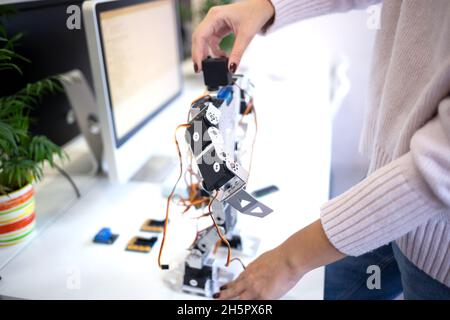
x: 212, y: 135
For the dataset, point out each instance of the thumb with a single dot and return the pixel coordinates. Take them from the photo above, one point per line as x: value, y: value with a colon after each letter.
x: 241, y: 43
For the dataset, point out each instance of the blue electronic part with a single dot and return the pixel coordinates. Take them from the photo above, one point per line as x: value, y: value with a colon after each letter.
x: 226, y: 94
x: 105, y: 236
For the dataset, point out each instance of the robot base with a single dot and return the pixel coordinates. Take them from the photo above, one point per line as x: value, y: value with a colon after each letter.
x: 200, y: 281
x: 207, y: 280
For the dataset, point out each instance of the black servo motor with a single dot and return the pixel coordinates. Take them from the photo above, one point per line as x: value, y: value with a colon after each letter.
x: 216, y: 73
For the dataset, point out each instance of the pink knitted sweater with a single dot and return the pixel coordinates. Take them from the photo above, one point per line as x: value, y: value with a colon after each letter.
x: 406, y: 196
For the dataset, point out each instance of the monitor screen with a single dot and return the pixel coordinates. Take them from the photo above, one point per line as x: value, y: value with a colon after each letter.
x: 140, y: 45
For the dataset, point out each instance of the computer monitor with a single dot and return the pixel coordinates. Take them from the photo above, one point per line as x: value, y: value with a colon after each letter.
x: 134, y: 49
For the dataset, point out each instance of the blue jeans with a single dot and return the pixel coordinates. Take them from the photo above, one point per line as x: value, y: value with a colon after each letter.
x: 347, y: 278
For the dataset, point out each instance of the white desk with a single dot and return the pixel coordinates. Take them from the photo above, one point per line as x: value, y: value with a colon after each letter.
x: 61, y: 262
x: 64, y: 263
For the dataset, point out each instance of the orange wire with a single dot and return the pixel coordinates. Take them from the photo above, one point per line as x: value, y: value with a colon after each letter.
x: 188, y: 204
x: 169, y: 199
x: 216, y: 247
x: 249, y: 107
x: 193, y: 195
x: 201, y: 97
x: 207, y: 214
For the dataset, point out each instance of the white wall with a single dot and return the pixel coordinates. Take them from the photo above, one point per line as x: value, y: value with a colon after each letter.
x: 302, y: 51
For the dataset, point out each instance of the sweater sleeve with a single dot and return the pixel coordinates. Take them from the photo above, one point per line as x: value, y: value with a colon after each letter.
x: 396, y: 198
x: 289, y: 11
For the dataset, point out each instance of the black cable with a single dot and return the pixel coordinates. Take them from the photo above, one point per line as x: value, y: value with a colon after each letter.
x: 69, y: 178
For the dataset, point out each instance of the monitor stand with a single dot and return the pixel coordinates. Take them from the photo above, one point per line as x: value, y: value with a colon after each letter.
x: 84, y: 106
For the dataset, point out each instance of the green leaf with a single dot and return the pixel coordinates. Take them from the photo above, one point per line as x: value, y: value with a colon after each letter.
x: 16, y: 173
x: 7, y: 136
x: 10, y: 66
x: 15, y: 39
x: 41, y: 150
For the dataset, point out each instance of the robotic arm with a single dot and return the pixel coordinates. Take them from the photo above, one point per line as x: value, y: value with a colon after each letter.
x: 213, y: 141
x: 215, y: 150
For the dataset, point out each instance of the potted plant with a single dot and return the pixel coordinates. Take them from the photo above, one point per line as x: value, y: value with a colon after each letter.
x: 22, y: 156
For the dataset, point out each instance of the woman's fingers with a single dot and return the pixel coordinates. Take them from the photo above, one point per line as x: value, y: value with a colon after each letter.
x: 205, y: 37
x: 200, y: 42
x: 241, y: 43
x: 199, y: 50
x: 214, y: 46
x: 247, y: 295
x: 241, y: 288
x: 233, y: 289
x: 244, y: 19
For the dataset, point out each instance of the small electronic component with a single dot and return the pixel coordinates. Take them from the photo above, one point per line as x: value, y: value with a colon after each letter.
x: 140, y: 244
x: 226, y: 94
x: 216, y: 73
x: 265, y: 191
x: 105, y: 236
x: 151, y: 225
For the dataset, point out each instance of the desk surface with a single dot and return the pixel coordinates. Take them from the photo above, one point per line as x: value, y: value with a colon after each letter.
x: 64, y: 263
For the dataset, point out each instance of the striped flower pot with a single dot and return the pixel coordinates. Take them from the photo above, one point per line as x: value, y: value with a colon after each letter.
x: 17, y: 216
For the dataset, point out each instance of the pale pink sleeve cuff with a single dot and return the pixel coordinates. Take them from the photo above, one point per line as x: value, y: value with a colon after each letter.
x: 389, y: 203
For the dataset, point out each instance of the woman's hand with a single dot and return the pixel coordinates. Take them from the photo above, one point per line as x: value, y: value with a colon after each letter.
x: 245, y: 19
x: 276, y: 271
x: 268, y: 277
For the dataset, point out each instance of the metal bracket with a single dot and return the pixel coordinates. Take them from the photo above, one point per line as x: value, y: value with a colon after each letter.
x: 245, y: 203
